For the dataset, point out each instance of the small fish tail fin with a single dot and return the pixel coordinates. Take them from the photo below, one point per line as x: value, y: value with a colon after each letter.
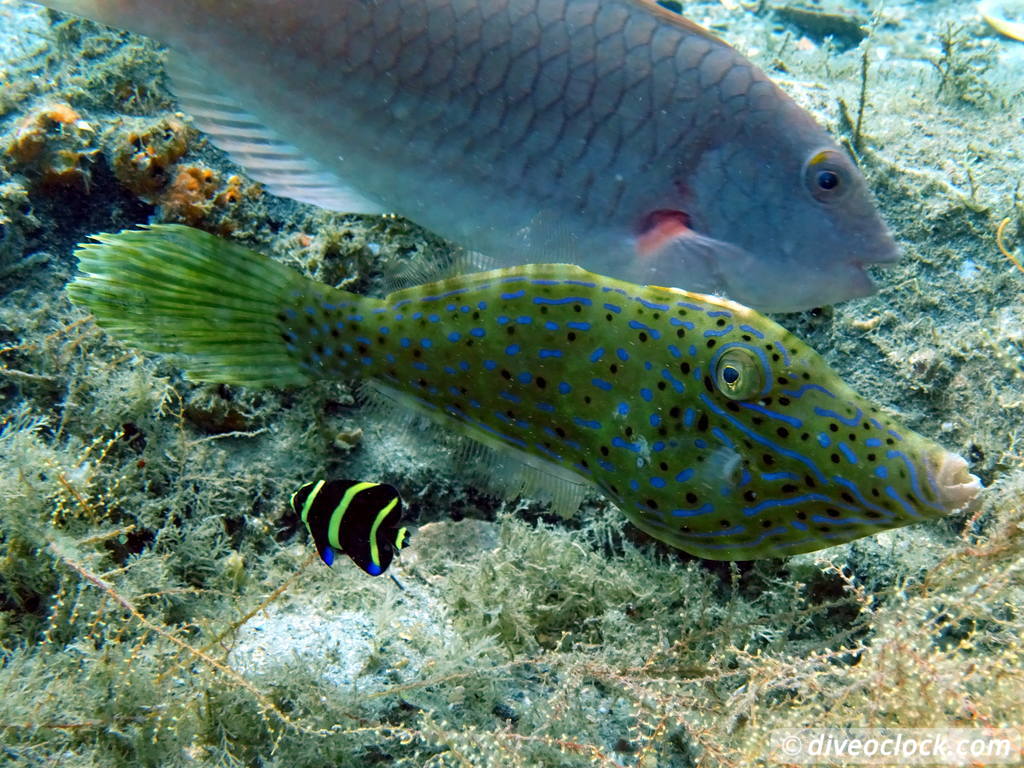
x: 222, y: 311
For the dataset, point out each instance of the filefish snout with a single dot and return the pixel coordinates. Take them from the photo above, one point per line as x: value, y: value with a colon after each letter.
x: 949, y: 472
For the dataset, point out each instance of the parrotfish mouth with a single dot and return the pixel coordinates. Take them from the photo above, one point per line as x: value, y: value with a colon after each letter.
x: 957, y: 487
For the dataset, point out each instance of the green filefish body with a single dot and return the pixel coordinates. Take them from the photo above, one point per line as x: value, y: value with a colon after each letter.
x: 713, y: 428
x: 612, y: 134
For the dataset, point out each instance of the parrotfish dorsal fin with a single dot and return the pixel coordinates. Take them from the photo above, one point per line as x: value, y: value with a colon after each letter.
x: 282, y: 168
x: 655, y: 9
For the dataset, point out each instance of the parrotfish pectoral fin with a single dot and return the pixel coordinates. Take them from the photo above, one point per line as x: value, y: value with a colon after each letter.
x: 283, y: 169
x: 661, y: 228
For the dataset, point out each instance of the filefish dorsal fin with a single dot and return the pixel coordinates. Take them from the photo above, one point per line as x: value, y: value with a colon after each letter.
x: 358, y: 518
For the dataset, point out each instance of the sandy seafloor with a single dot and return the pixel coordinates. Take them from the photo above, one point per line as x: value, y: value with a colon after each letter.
x: 159, y: 605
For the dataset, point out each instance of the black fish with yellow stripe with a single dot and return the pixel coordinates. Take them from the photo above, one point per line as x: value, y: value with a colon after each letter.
x: 358, y: 518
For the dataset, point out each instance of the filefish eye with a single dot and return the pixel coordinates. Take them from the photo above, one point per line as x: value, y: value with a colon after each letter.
x: 739, y: 374
x: 827, y: 175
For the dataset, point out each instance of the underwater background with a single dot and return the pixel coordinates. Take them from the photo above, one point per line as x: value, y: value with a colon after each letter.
x: 160, y: 603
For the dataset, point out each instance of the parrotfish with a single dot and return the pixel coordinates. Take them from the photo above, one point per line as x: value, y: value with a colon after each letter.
x: 710, y: 426
x: 361, y: 519
x: 611, y: 134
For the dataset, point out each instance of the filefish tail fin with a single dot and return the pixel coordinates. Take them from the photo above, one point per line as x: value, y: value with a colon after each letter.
x: 222, y: 310
x: 358, y: 518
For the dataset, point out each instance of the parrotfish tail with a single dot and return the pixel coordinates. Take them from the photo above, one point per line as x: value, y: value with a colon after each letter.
x: 224, y: 312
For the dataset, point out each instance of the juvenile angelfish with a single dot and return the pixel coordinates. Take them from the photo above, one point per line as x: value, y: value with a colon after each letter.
x: 710, y: 426
x: 361, y: 519
x: 612, y: 134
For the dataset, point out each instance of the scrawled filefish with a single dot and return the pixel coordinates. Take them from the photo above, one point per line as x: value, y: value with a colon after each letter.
x: 612, y: 134
x: 710, y: 426
x: 361, y: 519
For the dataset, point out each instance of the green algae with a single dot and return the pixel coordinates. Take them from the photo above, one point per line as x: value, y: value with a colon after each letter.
x: 144, y: 518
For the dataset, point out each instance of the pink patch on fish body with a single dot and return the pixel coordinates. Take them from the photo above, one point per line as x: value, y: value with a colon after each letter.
x: 534, y: 131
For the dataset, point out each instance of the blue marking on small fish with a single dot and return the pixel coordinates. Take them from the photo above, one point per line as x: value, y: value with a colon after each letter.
x: 684, y: 476
x: 588, y: 423
x: 564, y: 388
x: 545, y: 353
x: 478, y: 332
x: 752, y: 331
x: 454, y: 336
x: 613, y: 308
x: 824, y: 440
x: 597, y: 354
x: 601, y: 384
x: 622, y: 354
x: 578, y: 325
x: 720, y: 332
x: 512, y: 349
x: 681, y: 323
x: 514, y: 295
x: 646, y: 394
x: 623, y: 409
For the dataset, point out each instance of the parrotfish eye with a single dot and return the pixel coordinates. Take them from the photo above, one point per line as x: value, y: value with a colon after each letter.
x: 827, y: 175
x: 740, y: 374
